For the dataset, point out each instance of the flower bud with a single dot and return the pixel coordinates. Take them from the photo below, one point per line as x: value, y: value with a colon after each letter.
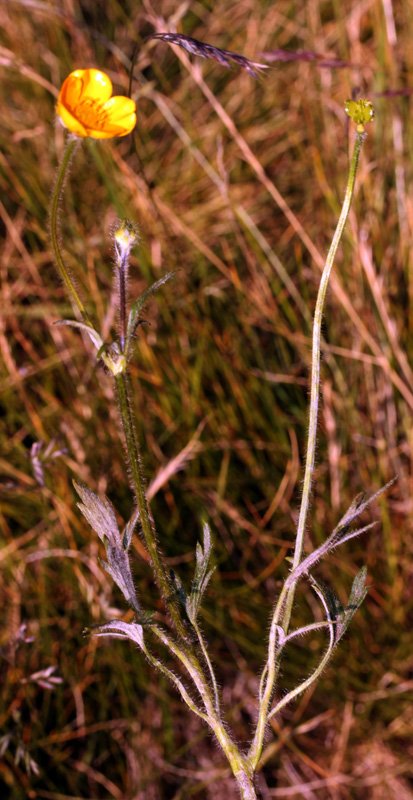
x: 125, y: 237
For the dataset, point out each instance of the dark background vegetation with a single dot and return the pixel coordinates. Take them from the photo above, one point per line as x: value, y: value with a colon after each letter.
x: 221, y: 369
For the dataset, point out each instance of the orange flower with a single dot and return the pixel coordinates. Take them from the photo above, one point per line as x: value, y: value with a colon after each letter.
x: 86, y: 108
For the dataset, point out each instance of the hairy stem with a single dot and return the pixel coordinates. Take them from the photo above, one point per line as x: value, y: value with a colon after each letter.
x: 283, y: 608
x: 122, y: 302
x: 209, y: 663
x: 315, y: 370
x: 182, y: 650
x: 245, y: 784
x: 54, y: 227
x: 145, y: 518
x: 238, y: 762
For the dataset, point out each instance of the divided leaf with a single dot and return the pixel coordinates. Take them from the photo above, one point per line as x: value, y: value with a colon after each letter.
x: 138, y: 305
x: 118, y: 629
x: 340, y: 616
x: 202, y: 575
x: 342, y: 533
x: 100, y: 515
x: 357, y: 595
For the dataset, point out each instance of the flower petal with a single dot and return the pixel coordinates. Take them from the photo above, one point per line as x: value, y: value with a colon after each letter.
x: 95, y: 84
x: 119, y: 107
x: 71, y: 89
x: 117, y: 129
x: 70, y: 122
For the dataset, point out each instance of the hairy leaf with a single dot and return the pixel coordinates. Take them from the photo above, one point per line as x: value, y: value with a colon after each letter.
x: 202, y: 575
x: 178, y: 587
x: 93, y: 335
x: 359, y: 504
x: 138, y: 305
x: 100, y: 514
x: 357, y: 595
x: 129, y: 529
x: 340, y: 616
x: 121, y: 630
x: 341, y: 534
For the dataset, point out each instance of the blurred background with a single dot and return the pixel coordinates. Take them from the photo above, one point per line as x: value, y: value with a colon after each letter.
x: 236, y: 183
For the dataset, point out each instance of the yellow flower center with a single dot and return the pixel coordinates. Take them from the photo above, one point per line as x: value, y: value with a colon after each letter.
x: 91, y: 113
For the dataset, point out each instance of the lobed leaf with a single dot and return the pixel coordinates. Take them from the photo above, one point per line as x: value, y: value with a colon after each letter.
x: 100, y: 514
x: 342, y: 533
x: 202, y: 575
x: 136, y: 308
x: 119, y: 629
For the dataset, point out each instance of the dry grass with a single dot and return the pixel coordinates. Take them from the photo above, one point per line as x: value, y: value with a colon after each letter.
x: 236, y: 183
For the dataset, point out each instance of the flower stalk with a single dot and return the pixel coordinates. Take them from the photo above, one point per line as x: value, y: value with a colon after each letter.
x: 58, y: 188
x: 283, y: 609
x: 315, y: 369
x: 145, y: 518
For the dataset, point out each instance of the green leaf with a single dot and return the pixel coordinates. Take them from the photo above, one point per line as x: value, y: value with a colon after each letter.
x: 357, y: 595
x: 93, y: 335
x: 129, y: 529
x: 178, y: 587
x: 331, y: 602
x: 339, y: 616
x: 138, y: 305
x: 202, y: 575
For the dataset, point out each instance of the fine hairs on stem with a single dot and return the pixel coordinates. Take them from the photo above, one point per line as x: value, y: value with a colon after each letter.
x: 182, y: 636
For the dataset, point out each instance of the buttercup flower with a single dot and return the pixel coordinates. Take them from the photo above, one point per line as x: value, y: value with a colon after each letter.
x: 86, y: 107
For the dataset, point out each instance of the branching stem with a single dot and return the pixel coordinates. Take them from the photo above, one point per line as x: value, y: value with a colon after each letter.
x: 283, y: 608
x: 315, y: 370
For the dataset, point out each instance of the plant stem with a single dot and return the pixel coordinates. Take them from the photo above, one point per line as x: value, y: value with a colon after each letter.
x: 145, y: 518
x: 315, y: 371
x: 70, y: 148
x: 209, y: 663
x: 237, y: 761
x: 245, y: 785
x: 122, y: 303
x: 283, y: 608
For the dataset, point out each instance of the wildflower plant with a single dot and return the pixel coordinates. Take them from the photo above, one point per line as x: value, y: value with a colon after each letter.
x: 87, y: 109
